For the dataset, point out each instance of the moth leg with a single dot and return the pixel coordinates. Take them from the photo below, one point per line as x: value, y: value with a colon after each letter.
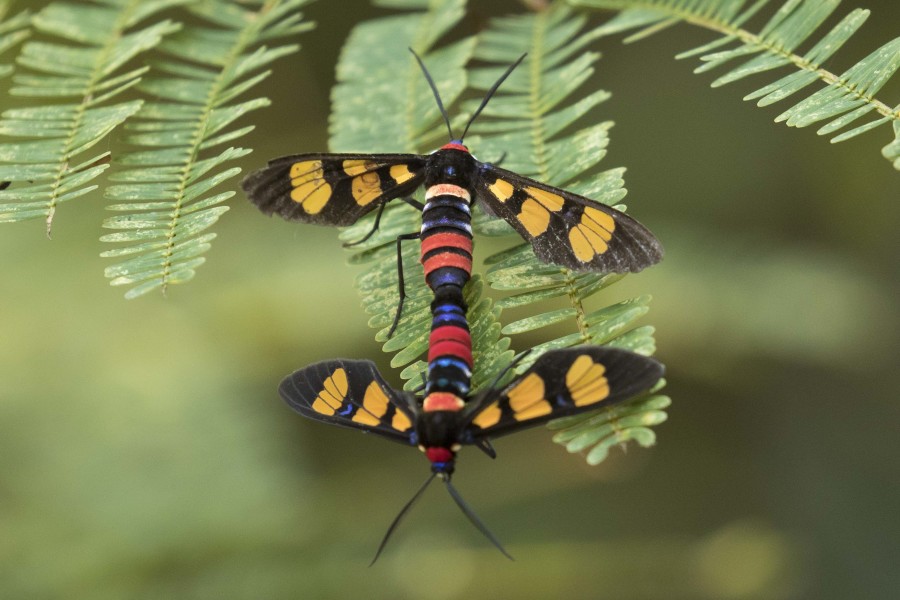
x: 417, y: 205
x: 400, y: 281
x: 485, y: 446
x: 414, y: 203
x: 422, y: 387
x: 371, y: 231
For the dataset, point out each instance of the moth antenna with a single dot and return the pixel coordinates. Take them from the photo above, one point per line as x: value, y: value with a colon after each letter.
x: 434, y: 90
x: 491, y: 93
x: 473, y: 518
x: 400, y: 516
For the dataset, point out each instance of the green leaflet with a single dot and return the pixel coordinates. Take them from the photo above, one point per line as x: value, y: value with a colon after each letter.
x: 167, y: 190
x: 843, y: 101
x: 598, y: 432
x: 78, y: 75
x: 13, y: 31
x: 381, y: 101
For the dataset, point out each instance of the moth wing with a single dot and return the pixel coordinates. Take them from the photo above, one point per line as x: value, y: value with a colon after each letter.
x: 561, y: 383
x: 332, y: 189
x: 350, y: 393
x: 567, y: 229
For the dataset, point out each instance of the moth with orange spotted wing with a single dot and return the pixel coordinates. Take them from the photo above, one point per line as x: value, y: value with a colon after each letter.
x: 351, y: 393
x: 563, y: 228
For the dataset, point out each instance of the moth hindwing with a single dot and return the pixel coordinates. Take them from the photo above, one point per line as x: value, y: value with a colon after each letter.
x: 561, y: 383
x: 350, y: 393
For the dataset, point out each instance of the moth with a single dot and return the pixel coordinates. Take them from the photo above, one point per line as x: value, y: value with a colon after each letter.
x: 352, y: 393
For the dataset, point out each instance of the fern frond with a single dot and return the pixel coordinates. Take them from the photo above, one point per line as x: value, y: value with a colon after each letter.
x: 12, y: 32
x: 532, y: 121
x: 617, y: 425
x: 47, y: 164
x: 165, y: 191
x: 383, y: 103
x: 843, y: 101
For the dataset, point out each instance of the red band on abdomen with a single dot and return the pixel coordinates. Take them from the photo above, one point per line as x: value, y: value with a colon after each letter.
x: 446, y: 240
x: 438, y: 454
x: 448, y: 259
x: 449, y: 333
x: 451, y: 348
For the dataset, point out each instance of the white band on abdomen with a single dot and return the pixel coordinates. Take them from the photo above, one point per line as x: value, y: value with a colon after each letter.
x: 441, y: 189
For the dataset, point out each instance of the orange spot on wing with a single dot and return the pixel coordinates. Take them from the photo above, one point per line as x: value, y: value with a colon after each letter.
x: 589, y: 238
x: 549, y: 200
x: 488, y: 417
x: 534, y: 217
x: 311, y: 190
x: 586, y: 381
x: 527, y: 400
x: 374, y: 405
x: 502, y: 190
x: 332, y: 395
x: 401, y: 173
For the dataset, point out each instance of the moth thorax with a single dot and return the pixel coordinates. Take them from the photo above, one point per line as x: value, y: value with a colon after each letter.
x: 448, y: 401
x: 453, y: 165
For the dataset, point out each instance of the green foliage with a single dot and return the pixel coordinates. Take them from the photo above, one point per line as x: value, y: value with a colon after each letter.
x: 12, y: 32
x: 81, y: 71
x: 618, y: 425
x: 86, y: 70
x: 165, y: 188
x: 530, y: 120
x: 381, y: 101
x: 844, y: 100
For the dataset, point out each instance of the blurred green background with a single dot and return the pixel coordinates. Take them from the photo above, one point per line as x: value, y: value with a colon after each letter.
x: 144, y: 452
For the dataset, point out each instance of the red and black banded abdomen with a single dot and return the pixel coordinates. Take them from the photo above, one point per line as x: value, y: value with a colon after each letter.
x: 446, y: 236
x: 446, y: 257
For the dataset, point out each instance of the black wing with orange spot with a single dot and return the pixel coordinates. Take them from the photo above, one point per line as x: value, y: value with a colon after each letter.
x: 567, y: 229
x: 350, y: 393
x: 332, y: 189
x: 561, y: 383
